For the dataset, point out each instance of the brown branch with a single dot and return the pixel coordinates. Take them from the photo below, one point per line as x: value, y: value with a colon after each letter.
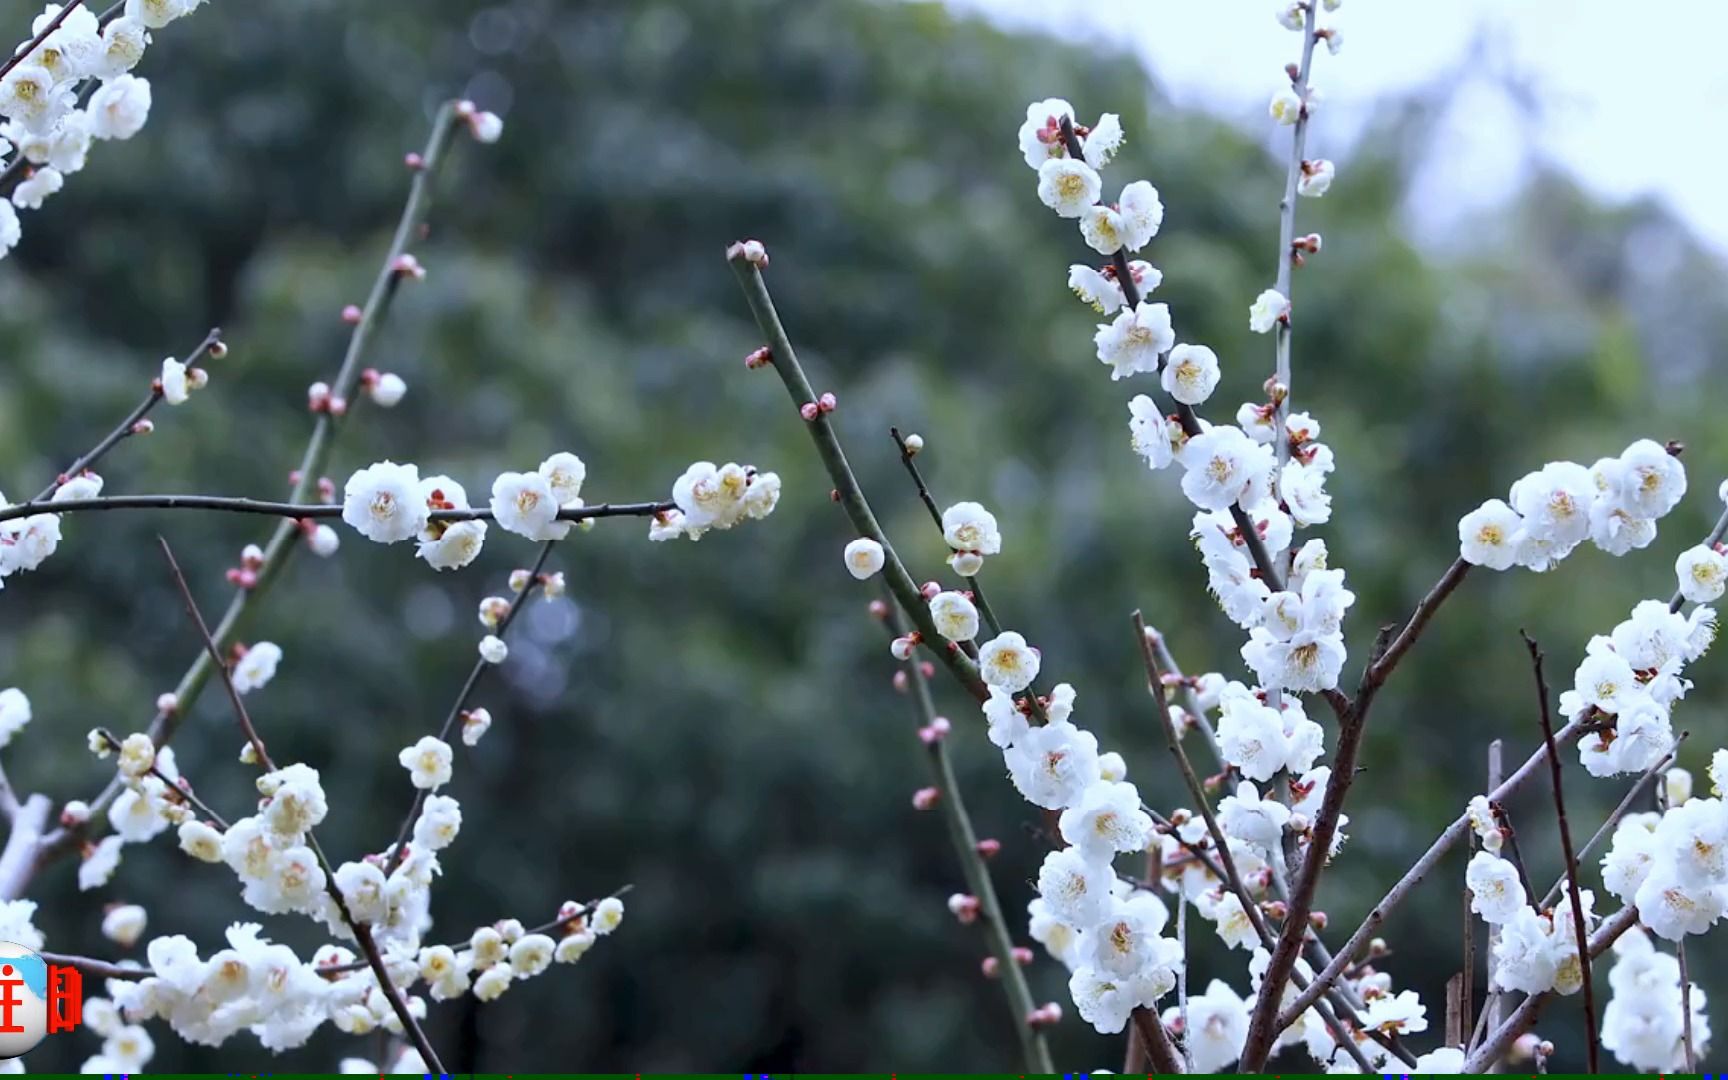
x: 1226, y: 864
x: 1405, y: 885
x: 1685, y: 1009
x: 97, y: 969
x: 1515, y: 856
x: 180, y: 787
x: 1583, y: 933
x: 215, y: 654
x: 1378, y: 672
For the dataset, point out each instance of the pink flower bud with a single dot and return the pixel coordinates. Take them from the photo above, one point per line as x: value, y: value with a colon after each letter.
x: 326, y: 489
x: 338, y: 406
x: 926, y: 798
x: 964, y: 906
x: 218, y: 349
x: 929, y: 589
x: 878, y: 609
x: 1022, y: 955
x: 1046, y: 1015
x: 902, y: 682
x: 318, y: 396
x: 465, y: 109
x: 351, y: 314
x: 74, y: 813
x: 808, y: 410
x: 167, y: 703
x: 760, y: 358
x: 414, y: 161
x: 991, y: 967
x: 252, y: 556
x: 406, y: 265
x: 144, y: 426
x: 901, y: 647
x: 988, y: 847
x: 827, y: 402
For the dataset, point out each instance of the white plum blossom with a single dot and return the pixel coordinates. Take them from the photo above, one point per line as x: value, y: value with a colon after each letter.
x: 1007, y: 662
x: 1053, y: 765
x: 1191, y: 374
x: 524, y: 503
x: 1135, y: 340
x: 1150, y: 433
x: 428, y: 763
x: 1007, y: 724
x: 1129, y: 224
x: 1217, y: 1026
x: 1067, y: 186
x: 1495, y: 891
x: 1076, y: 889
x: 955, y: 616
x: 119, y: 107
x: 1251, y: 819
x: 257, y: 667
x: 1490, y: 536
x: 15, y: 713
x: 1225, y: 467
x: 864, y: 558
x: 1103, y: 140
x: 1316, y: 178
x: 383, y: 502
x: 1266, y: 311
x: 1703, y: 574
x: 1107, y: 819
x: 1040, y: 136
x: 967, y: 526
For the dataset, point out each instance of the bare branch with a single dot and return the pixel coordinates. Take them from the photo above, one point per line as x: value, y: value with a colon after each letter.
x: 1583, y: 933
x: 302, y: 511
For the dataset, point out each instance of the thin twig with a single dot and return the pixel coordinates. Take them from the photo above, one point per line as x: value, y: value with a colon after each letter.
x: 285, y: 540
x: 1686, y: 1009
x: 1033, y: 1046
x: 1182, y: 982
x: 847, y: 491
x: 181, y: 786
x: 302, y: 511
x: 1582, y: 932
x: 1381, y: 669
x: 475, y: 674
x: 127, y: 426
x: 215, y: 654
x: 96, y: 969
x: 1513, y: 854
x: 1030, y: 698
x: 1493, y: 1004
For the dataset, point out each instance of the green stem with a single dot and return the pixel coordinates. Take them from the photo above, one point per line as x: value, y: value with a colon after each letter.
x: 851, y: 496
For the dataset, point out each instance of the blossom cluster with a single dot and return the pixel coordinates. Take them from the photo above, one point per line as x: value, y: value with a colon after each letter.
x: 258, y: 986
x: 710, y: 496
x: 73, y: 88
x: 1614, y: 504
x: 1630, y: 679
x: 1644, y: 1025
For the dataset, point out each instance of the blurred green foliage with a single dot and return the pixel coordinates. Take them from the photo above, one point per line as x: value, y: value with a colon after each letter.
x: 714, y: 722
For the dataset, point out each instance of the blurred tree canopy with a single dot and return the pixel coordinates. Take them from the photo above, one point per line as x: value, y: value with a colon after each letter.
x: 714, y: 722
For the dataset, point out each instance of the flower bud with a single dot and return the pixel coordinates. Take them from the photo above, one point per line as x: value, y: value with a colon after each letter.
x: 925, y: 798
x: 913, y: 444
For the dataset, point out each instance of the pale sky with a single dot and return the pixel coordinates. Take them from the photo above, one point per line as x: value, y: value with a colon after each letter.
x: 1628, y: 93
